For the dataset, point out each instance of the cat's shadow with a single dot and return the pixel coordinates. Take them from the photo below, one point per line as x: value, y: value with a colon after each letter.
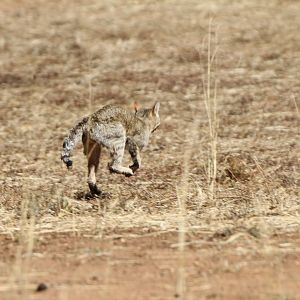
x: 88, y: 196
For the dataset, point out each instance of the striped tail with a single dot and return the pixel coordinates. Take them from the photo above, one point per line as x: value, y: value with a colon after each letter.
x: 71, y: 140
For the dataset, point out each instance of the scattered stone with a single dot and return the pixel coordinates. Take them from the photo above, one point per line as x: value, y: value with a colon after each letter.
x: 41, y: 287
x: 94, y: 278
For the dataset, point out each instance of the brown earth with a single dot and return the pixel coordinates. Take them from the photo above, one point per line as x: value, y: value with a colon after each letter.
x: 162, y: 233
x: 140, y: 265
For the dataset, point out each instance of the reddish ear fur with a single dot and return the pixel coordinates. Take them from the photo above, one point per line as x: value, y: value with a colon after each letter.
x: 136, y: 106
x: 155, y: 109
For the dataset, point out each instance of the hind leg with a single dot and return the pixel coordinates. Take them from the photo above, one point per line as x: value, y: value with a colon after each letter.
x: 93, y: 164
x: 92, y: 150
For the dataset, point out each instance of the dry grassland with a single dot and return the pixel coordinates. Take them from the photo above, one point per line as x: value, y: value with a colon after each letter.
x: 214, y: 211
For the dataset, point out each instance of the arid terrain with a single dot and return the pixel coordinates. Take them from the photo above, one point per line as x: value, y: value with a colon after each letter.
x: 214, y: 211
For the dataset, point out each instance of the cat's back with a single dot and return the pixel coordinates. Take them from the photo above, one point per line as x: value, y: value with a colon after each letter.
x: 112, y: 114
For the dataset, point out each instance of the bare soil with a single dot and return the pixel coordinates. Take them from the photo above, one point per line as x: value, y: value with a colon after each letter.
x: 159, y: 234
x: 139, y: 265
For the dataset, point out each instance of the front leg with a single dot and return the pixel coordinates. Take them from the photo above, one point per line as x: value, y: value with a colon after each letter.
x: 134, y: 152
x: 117, y: 156
x: 112, y: 136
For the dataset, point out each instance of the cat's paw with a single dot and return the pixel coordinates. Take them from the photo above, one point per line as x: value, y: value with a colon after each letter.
x: 121, y: 170
x: 134, y: 167
x: 128, y: 172
x: 94, y: 189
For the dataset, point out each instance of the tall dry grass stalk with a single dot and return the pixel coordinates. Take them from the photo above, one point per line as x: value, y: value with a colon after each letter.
x: 182, y: 196
x: 24, y: 250
x: 296, y: 106
x: 183, y: 188
x: 210, y: 100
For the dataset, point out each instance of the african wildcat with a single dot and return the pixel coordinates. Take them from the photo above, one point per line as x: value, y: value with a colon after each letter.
x: 116, y: 129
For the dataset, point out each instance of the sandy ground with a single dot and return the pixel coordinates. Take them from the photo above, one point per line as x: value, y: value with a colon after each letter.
x: 160, y: 234
x: 139, y: 265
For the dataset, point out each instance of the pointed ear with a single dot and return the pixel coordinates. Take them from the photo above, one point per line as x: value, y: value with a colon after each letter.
x: 136, y: 106
x: 155, y: 109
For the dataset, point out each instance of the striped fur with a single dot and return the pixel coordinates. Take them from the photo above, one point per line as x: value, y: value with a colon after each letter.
x: 116, y: 129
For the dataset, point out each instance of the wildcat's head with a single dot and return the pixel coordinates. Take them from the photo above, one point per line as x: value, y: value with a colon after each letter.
x: 150, y: 116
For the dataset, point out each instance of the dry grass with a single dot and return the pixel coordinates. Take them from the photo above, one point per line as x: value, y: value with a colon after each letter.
x: 227, y: 157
